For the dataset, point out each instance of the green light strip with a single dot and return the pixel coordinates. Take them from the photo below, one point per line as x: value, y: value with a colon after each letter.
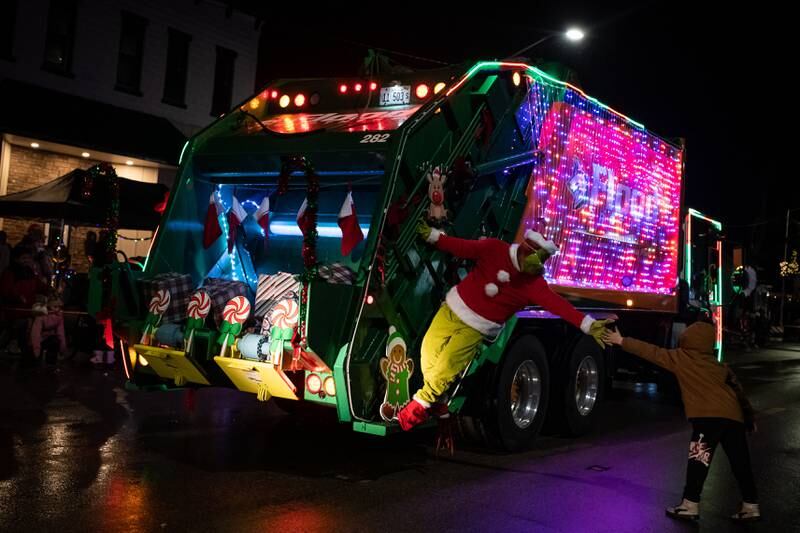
x: 695, y: 213
x: 540, y: 74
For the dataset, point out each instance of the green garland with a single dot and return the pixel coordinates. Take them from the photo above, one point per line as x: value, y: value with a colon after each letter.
x: 310, y: 235
x: 105, y: 173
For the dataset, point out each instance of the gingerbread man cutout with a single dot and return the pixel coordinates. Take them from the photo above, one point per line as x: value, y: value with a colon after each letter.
x: 396, y: 368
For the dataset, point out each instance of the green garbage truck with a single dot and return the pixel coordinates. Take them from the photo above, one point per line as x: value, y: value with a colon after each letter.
x: 294, y: 218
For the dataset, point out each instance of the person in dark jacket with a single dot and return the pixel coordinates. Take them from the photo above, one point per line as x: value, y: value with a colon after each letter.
x: 715, y: 405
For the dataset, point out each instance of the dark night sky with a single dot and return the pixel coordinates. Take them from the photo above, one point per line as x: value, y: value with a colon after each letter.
x: 716, y: 77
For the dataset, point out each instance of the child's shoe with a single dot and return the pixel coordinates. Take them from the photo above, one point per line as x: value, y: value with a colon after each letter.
x: 686, y: 510
x: 748, y: 513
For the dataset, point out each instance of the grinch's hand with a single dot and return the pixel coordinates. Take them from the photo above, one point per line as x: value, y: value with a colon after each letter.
x: 429, y: 234
x: 597, y: 329
x: 533, y: 265
x: 423, y: 230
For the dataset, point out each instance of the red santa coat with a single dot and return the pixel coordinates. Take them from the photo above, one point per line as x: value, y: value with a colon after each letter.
x: 497, y: 288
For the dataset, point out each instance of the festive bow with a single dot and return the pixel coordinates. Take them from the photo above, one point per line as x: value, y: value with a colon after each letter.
x: 150, y: 324
x: 152, y: 321
x: 191, y: 325
x: 228, y: 332
x: 277, y: 336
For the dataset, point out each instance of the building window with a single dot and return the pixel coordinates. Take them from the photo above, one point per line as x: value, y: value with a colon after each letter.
x: 223, y: 81
x: 60, y: 36
x: 8, y: 18
x: 177, y: 67
x: 131, y: 50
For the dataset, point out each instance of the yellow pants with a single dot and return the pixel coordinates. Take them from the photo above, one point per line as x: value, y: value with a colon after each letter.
x: 447, y: 349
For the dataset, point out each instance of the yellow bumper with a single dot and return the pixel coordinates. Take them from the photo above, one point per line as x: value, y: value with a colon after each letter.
x: 261, y: 379
x: 172, y: 364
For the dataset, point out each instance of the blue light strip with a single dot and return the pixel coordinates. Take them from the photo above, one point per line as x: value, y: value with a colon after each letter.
x: 274, y: 174
x: 323, y: 229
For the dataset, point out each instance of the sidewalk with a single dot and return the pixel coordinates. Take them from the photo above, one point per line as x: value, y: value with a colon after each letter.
x: 772, y: 353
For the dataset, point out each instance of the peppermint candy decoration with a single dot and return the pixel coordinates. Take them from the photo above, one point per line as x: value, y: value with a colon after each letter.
x: 199, y: 305
x: 160, y: 302
x: 236, y: 310
x: 285, y: 314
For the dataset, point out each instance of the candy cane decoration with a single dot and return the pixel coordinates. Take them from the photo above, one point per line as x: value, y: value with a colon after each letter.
x: 198, y: 309
x: 158, y: 305
x: 234, y: 314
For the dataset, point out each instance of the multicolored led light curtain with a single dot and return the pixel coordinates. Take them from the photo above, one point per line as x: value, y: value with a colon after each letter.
x: 606, y: 191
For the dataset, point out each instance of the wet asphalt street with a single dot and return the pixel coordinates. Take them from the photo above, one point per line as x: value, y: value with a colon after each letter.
x: 79, y: 453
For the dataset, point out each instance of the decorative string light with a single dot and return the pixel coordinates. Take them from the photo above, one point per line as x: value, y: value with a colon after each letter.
x: 607, y: 191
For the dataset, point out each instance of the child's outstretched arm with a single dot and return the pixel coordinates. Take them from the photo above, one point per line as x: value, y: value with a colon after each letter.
x: 668, y: 359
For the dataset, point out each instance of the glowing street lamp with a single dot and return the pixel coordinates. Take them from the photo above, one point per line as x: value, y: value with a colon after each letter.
x: 574, y: 35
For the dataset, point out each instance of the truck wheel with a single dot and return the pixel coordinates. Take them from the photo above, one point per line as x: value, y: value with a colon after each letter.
x: 519, y: 407
x: 580, y: 384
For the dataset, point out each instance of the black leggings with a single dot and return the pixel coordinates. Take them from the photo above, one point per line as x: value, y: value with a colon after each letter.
x: 706, y: 433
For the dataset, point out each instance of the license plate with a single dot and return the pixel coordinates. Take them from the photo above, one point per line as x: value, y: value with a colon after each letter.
x: 395, y: 95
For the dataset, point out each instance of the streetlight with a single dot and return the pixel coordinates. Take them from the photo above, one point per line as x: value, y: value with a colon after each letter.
x: 572, y: 34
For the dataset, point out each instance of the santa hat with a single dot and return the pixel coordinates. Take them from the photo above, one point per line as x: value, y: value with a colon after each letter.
x: 538, y: 239
x: 394, y: 340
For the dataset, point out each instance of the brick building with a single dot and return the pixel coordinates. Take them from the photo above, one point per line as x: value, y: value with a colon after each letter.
x: 124, y: 82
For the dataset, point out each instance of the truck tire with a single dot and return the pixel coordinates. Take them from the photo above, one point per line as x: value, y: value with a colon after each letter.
x: 577, y: 388
x: 517, y: 409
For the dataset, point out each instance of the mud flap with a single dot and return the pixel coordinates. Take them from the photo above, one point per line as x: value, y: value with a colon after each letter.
x: 255, y: 377
x: 172, y: 364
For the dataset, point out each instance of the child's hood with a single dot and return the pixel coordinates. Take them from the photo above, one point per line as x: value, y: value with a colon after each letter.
x: 700, y: 337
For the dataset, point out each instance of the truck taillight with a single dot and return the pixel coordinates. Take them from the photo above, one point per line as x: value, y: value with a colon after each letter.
x: 343, y: 88
x: 422, y: 90
x: 330, y: 386
x: 370, y: 299
x: 300, y: 100
x: 439, y: 87
x: 373, y: 86
x: 313, y: 384
x: 358, y: 87
x: 284, y: 101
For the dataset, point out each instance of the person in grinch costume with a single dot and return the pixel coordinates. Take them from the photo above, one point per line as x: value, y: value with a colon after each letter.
x: 506, y: 279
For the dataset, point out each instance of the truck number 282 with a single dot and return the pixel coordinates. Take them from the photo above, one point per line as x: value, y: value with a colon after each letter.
x: 376, y: 138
